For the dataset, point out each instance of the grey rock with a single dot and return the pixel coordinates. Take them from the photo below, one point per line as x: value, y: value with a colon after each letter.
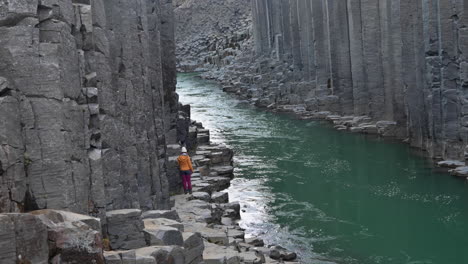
x: 112, y: 257
x: 201, y: 196
x: 160, y: 235
x: 125, y: 229
x: 254, y: 241
x: 23, y: 238
x: 194, y: 247
x: 450, y: 164
x: 220, y: 197
x: 96, y: 98
x: 164, y: 254
x: 164, y: 222
x: 460, y: 172
x: 168, y: 214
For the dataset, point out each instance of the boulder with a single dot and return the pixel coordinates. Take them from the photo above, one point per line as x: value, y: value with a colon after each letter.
x: 125, y: 229
x: 450, y: 164
x: 194, y: 246
x: 220, y: 197
x: 224, y: 171
x: 460, y: 172
x: 72, y: 237
x: 158, y: 235
x: 255, y: 241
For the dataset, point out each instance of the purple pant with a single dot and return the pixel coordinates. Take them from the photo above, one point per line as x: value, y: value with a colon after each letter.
x: 186, y: 180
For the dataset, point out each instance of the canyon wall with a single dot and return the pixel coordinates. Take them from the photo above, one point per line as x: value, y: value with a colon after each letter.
x: 391, y: 60
x: 87, y: 104
x: 211, y: 33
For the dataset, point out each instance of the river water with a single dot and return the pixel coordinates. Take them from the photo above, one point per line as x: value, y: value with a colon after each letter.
x: 333, y: 197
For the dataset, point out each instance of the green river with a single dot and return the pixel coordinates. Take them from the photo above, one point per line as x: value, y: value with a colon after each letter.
x: 333, y: 197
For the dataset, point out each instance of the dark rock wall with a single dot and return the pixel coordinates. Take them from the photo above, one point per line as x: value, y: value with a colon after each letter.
x: 211, y: 33
x: 403, y: 61
x: 87, y: 97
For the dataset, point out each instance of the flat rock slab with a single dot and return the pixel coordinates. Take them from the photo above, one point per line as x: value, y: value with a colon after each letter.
x: 162, y: 254
x: 460, y: 172
x: 168, y: 214
x: 57, y: 216
x: 201, y: 196
x: 150, y: 223
x: 223, y: 170
x: 450, y: 164
x: 215, y: 236
x: 215, y: 254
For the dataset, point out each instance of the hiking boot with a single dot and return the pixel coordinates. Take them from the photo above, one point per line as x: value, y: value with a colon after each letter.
x: 190, y: 191
x: 185, y: 191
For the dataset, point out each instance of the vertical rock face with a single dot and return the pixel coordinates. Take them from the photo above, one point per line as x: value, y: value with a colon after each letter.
x: 210, y: 33
x: 87, y: 96
x: 402, y: 61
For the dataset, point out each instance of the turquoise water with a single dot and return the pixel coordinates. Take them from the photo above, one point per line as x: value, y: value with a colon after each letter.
x: 332, y: 196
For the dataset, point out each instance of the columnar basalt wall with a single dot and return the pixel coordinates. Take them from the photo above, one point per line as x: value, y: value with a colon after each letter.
x: 211, y: 33
x: 87, y: 97
x: 402, y: 61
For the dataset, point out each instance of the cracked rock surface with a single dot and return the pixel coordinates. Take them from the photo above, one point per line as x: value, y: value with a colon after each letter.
x: 86, y: 101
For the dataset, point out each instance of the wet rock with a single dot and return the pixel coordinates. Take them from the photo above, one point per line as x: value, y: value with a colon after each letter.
x: 275, y: 254
x: 460, y: 172
x: 450, y: 164
x: 254, y: 241
x: 387, y: 128
x: 289, y: 256
x: 220, y: 197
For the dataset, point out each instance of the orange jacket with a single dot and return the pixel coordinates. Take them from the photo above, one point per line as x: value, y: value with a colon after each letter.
x: 185, y: 163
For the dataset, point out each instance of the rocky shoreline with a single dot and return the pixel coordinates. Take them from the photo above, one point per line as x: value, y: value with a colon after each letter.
x: 199, y: 228
x: 235, y: 80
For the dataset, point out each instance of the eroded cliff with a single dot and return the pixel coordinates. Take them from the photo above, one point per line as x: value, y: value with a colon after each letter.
x: 87, y: 97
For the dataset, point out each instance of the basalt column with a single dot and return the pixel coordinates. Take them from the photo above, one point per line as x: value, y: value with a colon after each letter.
x: 400, y: 62
x: 83, y: 104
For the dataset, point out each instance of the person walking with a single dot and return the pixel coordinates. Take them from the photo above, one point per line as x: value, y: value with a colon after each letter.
x: 186, y: 170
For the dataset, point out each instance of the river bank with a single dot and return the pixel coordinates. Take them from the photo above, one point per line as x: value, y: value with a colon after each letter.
x: 246, y: 86
x: 330, y: 195
x: 200, y: 228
